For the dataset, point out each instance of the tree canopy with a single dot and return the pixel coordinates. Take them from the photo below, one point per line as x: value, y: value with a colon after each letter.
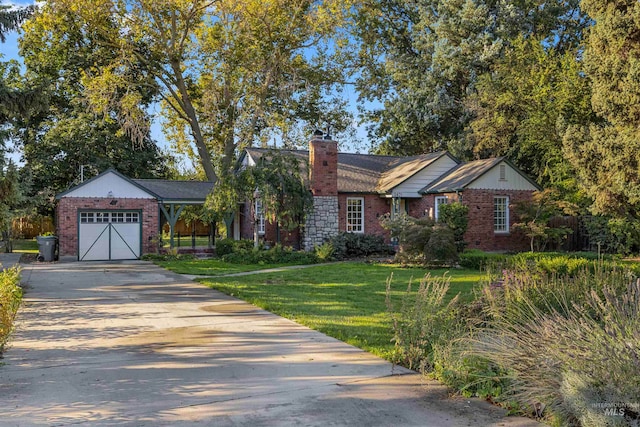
x: 606, y: 155
x: 228, y: 73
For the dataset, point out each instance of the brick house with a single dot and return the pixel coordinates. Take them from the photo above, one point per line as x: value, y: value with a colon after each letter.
x: 113, y: 217
x: 352, y: 191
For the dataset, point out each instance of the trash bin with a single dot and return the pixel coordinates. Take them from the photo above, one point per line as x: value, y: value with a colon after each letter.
x: 47, y: 247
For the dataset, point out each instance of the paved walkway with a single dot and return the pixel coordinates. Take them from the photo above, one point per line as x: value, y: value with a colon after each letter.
x: 9, y: 260
x: 130, y: 344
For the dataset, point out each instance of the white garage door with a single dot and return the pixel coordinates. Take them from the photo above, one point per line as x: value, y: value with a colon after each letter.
x: 109, y: 235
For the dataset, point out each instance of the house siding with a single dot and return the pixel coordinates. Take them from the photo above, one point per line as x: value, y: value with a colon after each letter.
x: 67, y: 219
x: 491, y: 180
x: 412, y: 186
x: 480, y: 233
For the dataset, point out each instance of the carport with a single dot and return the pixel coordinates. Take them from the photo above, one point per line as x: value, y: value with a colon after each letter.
x: 113, y: 217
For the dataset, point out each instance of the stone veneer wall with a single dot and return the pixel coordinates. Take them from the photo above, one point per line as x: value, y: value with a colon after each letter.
x: 322, y: 223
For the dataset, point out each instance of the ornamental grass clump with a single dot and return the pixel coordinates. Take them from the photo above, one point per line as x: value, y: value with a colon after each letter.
x: 423, y: 319
x: 570, y: 346
x: 10, y: 298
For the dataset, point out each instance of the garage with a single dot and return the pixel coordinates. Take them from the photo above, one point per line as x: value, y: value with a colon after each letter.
x: 109, y: 235
x: 113, y: 217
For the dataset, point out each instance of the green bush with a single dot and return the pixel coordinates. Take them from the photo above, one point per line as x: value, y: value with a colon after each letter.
x: 355, y: 245
x: 479, y: 260
x: 224, y: 247
x: 324, y: 252
x: 276, y: 255
x: 441, y: 247
x: 10, y: 299
x: 414, y: 239
x: 617, y: 236
x: 456, y: 217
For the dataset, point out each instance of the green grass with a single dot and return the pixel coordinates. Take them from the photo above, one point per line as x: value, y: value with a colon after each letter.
x: 25, y: 245
x: 213, y: 267
x: 345, y: 301
x: 185, y: 241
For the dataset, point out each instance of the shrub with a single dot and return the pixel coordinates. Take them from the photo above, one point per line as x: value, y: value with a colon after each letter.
x: 353, y: 245
x: 566, y: 343
x: 456, y: 217
x: 414, y: 240
x: 441, y: 247
x: 10, y: 299
x: 224, y: 247
x: 324, y: 252
x: 422, y: 321
x: 276, y: 255
x: 478, y: 260
x: 619, y: 236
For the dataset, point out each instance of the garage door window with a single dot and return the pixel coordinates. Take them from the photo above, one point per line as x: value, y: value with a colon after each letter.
x: 106, y: 217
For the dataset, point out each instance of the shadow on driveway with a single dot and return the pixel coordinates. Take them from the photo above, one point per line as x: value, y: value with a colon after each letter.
x: 132, y: 344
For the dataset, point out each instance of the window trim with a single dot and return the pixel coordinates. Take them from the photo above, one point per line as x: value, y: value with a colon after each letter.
x: 504, y: 201
x: 348, y: 226
x: 259, y: 216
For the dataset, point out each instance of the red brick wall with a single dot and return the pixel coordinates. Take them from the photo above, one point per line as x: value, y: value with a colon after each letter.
x: 323, y: 167
x: 480, y: 234
x: 374, y: 207
x: 67, y: 219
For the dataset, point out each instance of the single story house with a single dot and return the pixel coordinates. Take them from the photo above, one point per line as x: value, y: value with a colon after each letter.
x: 113, y: 217
x: 352, y: 191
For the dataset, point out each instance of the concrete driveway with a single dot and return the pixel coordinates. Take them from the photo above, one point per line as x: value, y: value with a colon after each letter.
x: 132, y: 344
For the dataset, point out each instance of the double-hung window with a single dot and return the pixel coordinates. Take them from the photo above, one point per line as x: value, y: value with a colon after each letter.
x: 501, y: 214
x: 355, y: 215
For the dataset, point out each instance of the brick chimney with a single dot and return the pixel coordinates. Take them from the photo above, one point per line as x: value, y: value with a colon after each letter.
x: 323, y: 165
x: 322, y: 223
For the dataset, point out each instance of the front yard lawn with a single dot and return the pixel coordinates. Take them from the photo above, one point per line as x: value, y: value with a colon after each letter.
x: 345, y: 300
x: 213, y: 267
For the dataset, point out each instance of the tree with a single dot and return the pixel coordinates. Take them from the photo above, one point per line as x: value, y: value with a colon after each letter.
x: 422, y: 60
x: 534, y: 216
x: 11, y: 197
x: 63, y: 136
x: 227, y: 71
x: 524, y: 105
x: 606, y: 155
x: 11, y: 18
x: 276, y: 181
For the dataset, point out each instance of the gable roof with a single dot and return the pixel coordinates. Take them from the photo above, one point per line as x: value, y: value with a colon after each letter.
x: 177, y: 191
x: 464, y: 174
x: 98, y: 177
x: 362, y: 173
x: 403, y: 168
x: 161, y: 189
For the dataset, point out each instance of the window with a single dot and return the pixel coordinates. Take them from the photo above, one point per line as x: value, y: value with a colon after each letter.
x: 106, y: 217
x: 501, y: 214
x: 503, y: 172
x: 355, y: 215
x: 440, y: 200
x: 87, y: 217
x: 259, y: 216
